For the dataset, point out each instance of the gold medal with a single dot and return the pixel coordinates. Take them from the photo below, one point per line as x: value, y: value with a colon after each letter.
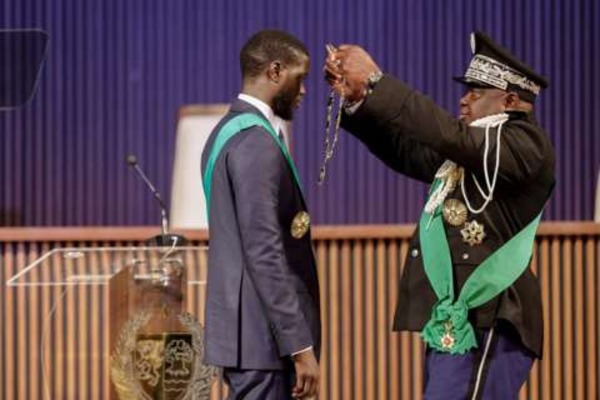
x: 454, y: 212
x: 473, y: 233
x: 300, y: 224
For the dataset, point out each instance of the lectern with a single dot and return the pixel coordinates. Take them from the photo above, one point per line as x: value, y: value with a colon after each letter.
x: 152, y: 345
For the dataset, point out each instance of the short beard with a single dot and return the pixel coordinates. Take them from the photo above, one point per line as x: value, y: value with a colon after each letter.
x: 283, y: 105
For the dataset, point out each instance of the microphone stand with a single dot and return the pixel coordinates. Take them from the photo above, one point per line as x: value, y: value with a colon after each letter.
x: 165, y: 239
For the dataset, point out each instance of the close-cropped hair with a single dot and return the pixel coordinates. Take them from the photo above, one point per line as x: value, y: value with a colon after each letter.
x: 267, y: 46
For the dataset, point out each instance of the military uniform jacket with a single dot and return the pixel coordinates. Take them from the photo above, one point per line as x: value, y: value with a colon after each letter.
x: 262, y: 301
x: 413, y: 136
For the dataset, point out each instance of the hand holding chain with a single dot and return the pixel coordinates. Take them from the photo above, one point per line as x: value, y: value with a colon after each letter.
x: 331, y: 140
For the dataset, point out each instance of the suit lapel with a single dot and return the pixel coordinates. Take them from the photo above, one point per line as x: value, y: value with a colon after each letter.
x: 239, y: 107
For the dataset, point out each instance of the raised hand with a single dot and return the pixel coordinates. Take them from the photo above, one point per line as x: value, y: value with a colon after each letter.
x: 348, y: 69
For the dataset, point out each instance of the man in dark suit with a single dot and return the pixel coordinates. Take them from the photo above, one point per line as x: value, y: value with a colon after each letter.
x: 466, y: 285
x: 262, y: 305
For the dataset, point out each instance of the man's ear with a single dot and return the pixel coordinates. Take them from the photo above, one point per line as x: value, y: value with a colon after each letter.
x: 512, y: 101
x: 274, y: 71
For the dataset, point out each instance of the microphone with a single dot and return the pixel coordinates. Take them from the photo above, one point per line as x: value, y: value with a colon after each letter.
x: 165, y: 238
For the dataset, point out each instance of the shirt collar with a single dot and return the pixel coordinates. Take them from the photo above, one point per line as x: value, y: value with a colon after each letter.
x: 264, y: 108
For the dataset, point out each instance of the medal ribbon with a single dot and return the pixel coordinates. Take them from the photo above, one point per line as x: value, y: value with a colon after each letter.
x: 449, y: 330
x: 229, y: 130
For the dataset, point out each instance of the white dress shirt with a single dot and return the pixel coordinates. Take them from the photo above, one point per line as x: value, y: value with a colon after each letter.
x: 276, y: 122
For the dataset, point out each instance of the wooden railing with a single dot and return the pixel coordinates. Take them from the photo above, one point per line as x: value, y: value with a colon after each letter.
x: 359, y: 267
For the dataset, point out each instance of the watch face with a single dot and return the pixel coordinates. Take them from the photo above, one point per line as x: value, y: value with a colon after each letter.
x: 374, y: 77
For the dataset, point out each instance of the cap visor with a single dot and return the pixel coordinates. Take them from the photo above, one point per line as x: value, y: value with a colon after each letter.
x: 471, y: 82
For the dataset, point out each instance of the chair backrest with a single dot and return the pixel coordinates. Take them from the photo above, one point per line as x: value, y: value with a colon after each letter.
x: 188, y: 205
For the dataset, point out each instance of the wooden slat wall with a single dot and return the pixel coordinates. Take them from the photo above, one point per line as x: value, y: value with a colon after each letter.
x: 358, y: 267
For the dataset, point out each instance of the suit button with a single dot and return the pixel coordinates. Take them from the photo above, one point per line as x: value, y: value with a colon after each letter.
x: 414, y: 253
x: 465, y: 256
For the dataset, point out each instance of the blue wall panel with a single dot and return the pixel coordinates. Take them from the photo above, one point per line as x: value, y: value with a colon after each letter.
x: 118, y: 71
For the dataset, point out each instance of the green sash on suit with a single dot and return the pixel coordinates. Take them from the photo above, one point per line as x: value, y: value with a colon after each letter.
x: 229, y: 130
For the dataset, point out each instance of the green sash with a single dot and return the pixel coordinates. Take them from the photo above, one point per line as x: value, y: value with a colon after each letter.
x: 229, y: 130
x: 449, y: 329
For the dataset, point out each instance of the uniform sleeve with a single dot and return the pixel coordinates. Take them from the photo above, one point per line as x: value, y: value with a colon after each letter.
x: 256, y: 168
x: 399, y: 152
x: 401, y: 116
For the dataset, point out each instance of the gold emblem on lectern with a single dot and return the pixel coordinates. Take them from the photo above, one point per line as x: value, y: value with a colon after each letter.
x: 300, y: 224
x: 161, y: 366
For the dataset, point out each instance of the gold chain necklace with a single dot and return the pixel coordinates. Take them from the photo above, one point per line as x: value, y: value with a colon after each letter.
x: 331, y: 142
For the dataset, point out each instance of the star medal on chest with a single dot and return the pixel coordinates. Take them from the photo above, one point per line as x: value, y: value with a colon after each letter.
x: 454, y: 212
x: 300, y: 224
x: 473, y: 233
x: 447, y: 340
